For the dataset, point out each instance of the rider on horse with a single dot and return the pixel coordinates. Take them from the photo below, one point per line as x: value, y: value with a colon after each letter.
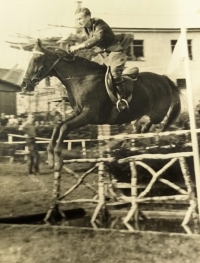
x: 111, y: 48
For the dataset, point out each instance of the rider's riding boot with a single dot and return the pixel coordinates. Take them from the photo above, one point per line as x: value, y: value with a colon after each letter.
x: 122, y: 103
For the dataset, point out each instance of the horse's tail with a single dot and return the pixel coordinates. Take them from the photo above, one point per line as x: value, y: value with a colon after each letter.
x: 175, y: 107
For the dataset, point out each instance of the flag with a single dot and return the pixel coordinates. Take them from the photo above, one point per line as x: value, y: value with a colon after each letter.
x: 178, y: 54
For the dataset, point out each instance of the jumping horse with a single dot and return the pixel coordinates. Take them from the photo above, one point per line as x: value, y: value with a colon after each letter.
x: 151, y: 94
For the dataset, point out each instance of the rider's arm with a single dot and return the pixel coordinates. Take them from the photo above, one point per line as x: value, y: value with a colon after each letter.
x: 91, y: 42
x: 101, y: 30
x: 77, y: 47
x: 102, y: 33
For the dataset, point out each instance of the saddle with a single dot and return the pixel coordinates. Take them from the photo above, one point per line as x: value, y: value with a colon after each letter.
x: 129, y: 75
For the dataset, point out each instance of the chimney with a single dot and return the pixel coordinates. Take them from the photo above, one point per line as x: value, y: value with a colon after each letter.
x: 78, y: 5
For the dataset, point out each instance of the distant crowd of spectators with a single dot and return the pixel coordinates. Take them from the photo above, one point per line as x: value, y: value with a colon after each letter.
x: 10, y: 120
x: 15, y: 121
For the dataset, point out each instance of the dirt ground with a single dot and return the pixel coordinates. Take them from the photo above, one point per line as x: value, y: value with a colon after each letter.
x: 24, y: 195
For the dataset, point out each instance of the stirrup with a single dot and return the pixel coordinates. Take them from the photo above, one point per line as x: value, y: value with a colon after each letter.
x: 118, y: 102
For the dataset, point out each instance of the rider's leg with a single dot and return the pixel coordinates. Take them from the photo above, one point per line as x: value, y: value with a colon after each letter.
x: 99, y: 58
x: 117, y: 62
x: 30, y: 164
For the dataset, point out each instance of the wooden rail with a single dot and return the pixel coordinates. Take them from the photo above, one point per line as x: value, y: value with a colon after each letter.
x: 40, y: 140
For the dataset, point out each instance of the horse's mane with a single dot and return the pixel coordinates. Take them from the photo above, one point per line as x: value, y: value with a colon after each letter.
x: 88, y: 64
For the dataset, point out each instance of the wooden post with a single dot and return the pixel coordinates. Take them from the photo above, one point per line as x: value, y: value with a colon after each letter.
x: 192, y: 117
x: 69, y: 146
x: 193, y: 203
x: 134, y: 205
x: 101, y: 193
x: 10, y: 138
x: 101, y: 184
x: 83, y: 147
x: 26, y: 150
x: 54, y: 209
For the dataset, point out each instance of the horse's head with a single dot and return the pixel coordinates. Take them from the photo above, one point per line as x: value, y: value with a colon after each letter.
x: 34, y: 72
x: 41, y: 64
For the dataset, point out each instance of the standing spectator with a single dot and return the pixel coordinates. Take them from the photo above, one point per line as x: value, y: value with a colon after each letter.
x: 20, y: 120
x: 13, y: 120
x: 29, y: 129
x: 198, y: 108
x: 3, y: 120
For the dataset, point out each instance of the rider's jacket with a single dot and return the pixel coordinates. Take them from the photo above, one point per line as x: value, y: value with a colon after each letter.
x: 103, y: 37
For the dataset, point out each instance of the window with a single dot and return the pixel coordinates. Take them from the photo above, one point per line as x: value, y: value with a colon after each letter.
x: 136, y: 51
x: 181, y: 83
x: 189, y: 45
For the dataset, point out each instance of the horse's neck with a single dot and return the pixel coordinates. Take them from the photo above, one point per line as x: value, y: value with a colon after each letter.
x: 77, y: 76
x: 78, y: 67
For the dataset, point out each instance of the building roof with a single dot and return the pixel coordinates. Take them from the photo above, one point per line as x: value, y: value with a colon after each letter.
x: 10, y: 79
x: 150, y: 21
x: 29, y: 44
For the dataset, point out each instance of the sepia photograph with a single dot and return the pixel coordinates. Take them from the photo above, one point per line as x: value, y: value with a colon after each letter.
x: 100, y: 131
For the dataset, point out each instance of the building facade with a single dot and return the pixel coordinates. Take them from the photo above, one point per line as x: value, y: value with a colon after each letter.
x: 152, y: 50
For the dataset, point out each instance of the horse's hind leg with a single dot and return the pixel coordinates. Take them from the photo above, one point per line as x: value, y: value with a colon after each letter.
x: 52, y: 143
x: 137, y: 127
x: 146, y: 128
x: 143, y: 125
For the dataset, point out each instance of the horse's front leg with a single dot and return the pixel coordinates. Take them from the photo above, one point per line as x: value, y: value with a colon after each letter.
x: 52, y: 143
x: 54, y: 137
x: 83, y: 119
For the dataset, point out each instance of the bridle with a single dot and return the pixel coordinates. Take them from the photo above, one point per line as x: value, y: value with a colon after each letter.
x: 39, y: 75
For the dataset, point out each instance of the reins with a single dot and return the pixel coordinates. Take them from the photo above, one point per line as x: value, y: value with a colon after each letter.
x: 39, y: 76
x: 46, y: 74
x: 52, y: 66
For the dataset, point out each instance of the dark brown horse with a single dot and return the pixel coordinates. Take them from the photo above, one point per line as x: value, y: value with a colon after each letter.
x: 153, y: 95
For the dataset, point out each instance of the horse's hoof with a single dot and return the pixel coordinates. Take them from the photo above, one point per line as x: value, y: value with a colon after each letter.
x: 51, y: 166
x: 58, y: 164
x: 51, y: 161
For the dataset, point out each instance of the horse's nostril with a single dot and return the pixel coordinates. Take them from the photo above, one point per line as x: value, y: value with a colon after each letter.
x: 23, y: 84
x: 34, y: 81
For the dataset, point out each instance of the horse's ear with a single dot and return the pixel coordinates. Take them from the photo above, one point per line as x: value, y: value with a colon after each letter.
x: 39, y: 44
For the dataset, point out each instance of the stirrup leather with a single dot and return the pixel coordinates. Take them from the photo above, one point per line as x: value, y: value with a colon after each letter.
x: 117, y: 104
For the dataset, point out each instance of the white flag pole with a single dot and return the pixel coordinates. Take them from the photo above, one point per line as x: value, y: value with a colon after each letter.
x: 192, y: 117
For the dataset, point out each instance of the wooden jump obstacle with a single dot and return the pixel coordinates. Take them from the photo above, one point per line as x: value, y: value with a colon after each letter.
x: 134, y: 199
x: 105, y: 185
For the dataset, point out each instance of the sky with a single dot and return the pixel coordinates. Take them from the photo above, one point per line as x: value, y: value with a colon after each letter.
x: 33, y: 17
